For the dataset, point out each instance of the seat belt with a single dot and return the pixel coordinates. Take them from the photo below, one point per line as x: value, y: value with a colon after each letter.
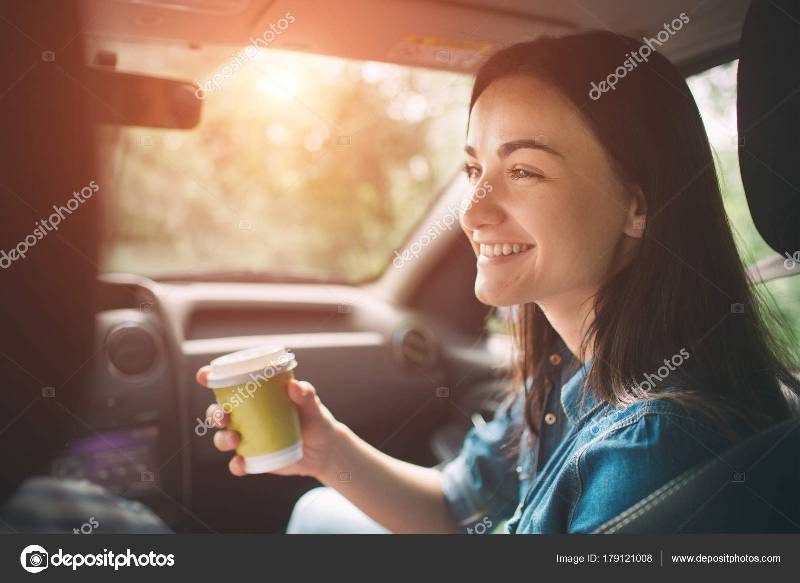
x: 774, y: 267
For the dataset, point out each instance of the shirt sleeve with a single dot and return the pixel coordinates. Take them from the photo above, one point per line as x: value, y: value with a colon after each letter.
x: 626, y: 465
x: 481, y: 484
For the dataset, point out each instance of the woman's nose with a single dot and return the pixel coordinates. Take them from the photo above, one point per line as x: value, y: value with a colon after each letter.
x: 481, y: 207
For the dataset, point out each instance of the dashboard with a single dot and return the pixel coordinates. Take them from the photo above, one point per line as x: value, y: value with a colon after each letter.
x: 402, y: 382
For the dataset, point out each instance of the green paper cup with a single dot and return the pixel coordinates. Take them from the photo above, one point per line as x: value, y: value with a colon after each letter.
x: 251, y: 386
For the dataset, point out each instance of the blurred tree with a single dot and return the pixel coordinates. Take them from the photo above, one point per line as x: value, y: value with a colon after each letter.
x: 302, y: 164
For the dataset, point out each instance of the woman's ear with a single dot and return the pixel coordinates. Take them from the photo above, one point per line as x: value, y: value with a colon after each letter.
x: 636, y: 219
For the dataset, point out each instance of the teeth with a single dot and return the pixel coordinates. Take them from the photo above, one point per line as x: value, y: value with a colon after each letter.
x: 503, y: 249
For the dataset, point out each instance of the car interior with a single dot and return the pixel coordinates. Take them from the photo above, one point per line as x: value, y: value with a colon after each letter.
x: 184, y: 259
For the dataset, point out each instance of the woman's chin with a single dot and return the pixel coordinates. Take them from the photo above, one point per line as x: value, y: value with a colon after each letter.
x: 497, y: 298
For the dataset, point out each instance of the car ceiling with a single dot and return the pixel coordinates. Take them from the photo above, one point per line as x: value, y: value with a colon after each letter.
x: 443, y: 34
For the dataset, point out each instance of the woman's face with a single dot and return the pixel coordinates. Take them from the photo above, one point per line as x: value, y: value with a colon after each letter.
x: 548, y: 186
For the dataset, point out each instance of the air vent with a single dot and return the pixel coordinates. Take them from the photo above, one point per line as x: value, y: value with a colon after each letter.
x: 415, y: 346
x: 132, y: 350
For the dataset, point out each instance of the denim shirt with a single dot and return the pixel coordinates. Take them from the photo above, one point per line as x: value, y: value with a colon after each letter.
x: 591, y: 462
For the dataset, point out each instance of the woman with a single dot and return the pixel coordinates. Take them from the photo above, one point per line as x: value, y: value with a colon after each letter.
x: 640, y: 348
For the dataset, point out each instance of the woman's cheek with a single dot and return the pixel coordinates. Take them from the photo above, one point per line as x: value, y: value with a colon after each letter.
x: 563, y: 254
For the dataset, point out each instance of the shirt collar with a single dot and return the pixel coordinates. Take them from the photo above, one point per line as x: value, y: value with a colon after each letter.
x: 575, y: 401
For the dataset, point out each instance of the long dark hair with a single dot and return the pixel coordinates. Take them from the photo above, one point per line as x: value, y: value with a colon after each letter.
x: 686, y: 290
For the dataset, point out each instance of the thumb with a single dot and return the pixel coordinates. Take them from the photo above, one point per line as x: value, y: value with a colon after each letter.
x: 202, y: 376
x: 304, y: 395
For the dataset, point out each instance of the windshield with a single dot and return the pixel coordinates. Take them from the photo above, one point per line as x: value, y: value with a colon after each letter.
x: 303, y: 166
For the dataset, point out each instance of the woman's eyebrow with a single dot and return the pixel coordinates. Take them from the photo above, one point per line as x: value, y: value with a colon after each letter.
x: 506, y: 149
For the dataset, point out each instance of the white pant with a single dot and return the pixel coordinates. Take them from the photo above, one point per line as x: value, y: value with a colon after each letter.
x: 324, y: 511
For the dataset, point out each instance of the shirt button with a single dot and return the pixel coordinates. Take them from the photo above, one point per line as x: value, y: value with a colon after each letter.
x: 549, y: 418
x: 555, y: 359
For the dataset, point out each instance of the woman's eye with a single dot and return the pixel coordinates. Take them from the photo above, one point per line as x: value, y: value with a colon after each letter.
x: 473, y: 172
x: 522, y: 174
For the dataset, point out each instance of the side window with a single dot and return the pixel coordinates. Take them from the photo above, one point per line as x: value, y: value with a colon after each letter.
x: 715, y: 93
x: 498, y: 332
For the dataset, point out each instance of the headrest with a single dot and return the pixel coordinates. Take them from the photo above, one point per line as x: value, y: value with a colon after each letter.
x: 768, y: 100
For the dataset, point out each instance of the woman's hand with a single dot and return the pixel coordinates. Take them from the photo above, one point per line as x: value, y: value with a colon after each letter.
x: 318, y: 427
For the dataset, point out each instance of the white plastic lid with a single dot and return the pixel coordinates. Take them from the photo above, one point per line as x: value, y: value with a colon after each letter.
x: 261, y: 361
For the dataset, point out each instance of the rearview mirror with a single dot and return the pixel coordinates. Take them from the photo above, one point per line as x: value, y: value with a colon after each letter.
x: 139, y: 100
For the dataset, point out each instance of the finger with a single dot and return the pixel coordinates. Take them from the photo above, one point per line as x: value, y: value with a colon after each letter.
x: 236, y: 466
x: 217, y: 417
x: 226, y: 440
x: 302, y: 394
x: 202, y: 375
